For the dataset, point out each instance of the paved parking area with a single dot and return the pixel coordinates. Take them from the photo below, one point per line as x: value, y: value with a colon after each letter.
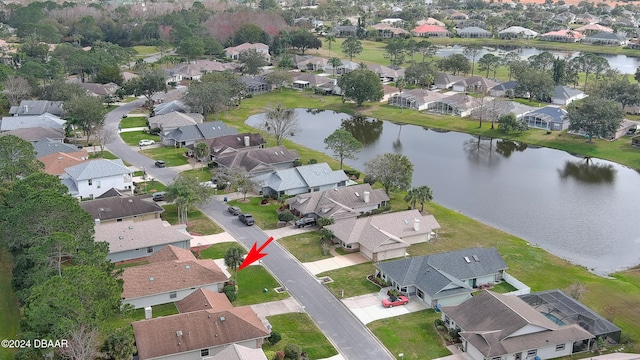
x: 368, y: 308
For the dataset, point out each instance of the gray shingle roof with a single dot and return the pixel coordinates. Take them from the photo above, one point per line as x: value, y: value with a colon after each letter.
x: 37, y: 107
x: 473, y: 30
x: 36, y: 133
x: 348, y: 198
x: 258, y: 159
x: 321, y: 174
x: 97, y: 169
x: 174, y: 119
x: 47, y: 146
x: 45, y: 120
x: 431, y: 273
x: 607, y: 36
x: 565, y: 92
x: 202, y: 131
x: 128, y: 234
x: 116, y: 207
x: 550, y: 113
x: 175, y: 105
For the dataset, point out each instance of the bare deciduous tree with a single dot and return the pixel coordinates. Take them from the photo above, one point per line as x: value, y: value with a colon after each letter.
x: 105, y: 136
x: 576, y: 290
x: 83, y: 344
x: 281, y: 122
x: 16, y: 89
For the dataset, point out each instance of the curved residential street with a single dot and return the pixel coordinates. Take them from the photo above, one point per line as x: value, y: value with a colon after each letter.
x: 350, y: 337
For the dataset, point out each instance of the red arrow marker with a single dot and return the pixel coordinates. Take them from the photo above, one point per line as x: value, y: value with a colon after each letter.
x: 255, y: 255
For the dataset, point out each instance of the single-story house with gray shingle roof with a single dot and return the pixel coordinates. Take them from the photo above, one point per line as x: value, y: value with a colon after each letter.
x: 120, y: 207
x: 345, y: 67
x: 419, y: 99
x: 499, y: 326
x: 312, y: 63
x: 547, y: 118
x: 474, y: 84
x: 384, y: 236
x: 98, y: 90
x: 171, y: 106
x: 606, y: 38
x: 446, y: 278
x: 474, y: 32
x: 310, y: 81
x: 446, y: 81
x: 301, y: 179
x: 459, y: 104
x: 45, y: 120
x: 259, y: 160
x: 506, y: 89
x: 229, y: 144
x: 129, y: 239
x: 37, y: 107
x: 94, y: 178
x: 386, y: 73
x: 565, y: 95
x: 189, y: 134
x: 37, y: 133
x: 46, y: 146
x: 172, y: 274
x: 346, y: 201
x: 256, y: 85
x: 174, y: 120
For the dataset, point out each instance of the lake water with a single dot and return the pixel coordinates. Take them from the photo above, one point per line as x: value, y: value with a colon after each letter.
x: 626, y: 64
x: 585, y: 213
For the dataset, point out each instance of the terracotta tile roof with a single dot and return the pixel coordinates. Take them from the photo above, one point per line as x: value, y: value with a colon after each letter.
x: 162, y: 277
x: 54, y: 164
x: 421, y: 29
x: 197, y: 330
x: 203, y: 299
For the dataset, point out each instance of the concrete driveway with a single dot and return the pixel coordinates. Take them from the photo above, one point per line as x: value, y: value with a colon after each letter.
x: 368, y: 308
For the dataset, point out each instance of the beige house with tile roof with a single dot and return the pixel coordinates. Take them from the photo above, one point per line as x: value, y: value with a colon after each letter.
x: 502, y: 326
x: 129, y: 239
x: 171, y: 275
x: 341, y: 202
x: 384, y: 236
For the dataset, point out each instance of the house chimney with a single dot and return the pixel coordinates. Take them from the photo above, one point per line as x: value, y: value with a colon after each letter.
x: 147, y: 313
x: 366, y: 196
x: 416, y: 224
x: 247, y: 141
x: 26, y: 108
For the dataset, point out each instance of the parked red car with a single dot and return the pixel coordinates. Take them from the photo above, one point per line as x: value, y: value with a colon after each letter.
x: 395, y: 301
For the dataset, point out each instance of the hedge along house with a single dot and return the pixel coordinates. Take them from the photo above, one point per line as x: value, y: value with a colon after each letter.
x: 447, y: 278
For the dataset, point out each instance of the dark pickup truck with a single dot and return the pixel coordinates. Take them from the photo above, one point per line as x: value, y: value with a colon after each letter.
x: 247, y: 219
x: 305, y: 221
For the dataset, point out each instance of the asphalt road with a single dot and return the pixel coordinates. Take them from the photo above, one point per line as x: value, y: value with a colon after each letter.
x: 351, y: 338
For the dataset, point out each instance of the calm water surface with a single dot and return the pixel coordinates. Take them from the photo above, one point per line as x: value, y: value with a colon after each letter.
x: 586, y: 213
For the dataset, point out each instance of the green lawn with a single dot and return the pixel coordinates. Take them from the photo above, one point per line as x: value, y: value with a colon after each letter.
x: 299, y: 329
x: 145, y: 50
x: 352, y: 279
x: 102, y: 154
x: 9, y: 311
x: 217, y: 251
x: 198, y: 222
x: 172, y: 156
x: 132, y: 138
x: 201, y: 174
x: 252, y: 281
x: 149, y: 187
x: 265, y: 215
x: 133, y: 122
x: 413, y: 335
x: 305, y: 247
x: 128, y: 99
x: 138, y: 314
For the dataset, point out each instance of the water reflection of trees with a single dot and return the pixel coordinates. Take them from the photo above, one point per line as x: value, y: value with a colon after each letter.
x: 314, y: 111
x: 366, y: 130
x: 507, y: 147
x: 480, y: 149
x: 588, y: 172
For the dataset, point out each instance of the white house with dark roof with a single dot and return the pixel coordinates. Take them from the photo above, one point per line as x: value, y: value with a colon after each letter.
x: 547, y: 118
x: 174, y: 120
x: 129, y: 239
x: 474, y: 32
x: 45, y: 120
x: 565, y: 95
x: 384, y: 236
x: 499, y: 326
x: 93, y: 178
x: 340, y: 202
x: 37, y: 107
x: 447, y: 278
x: 190, y: 134
x: 172, y: 274
x: 301, y: 179
x: 418, y: 99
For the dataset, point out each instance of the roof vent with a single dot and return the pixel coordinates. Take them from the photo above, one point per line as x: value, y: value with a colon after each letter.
x: 357, y: 194
x: 275, y: 152
x: 222, y: 318
x: 281, y: 152
x: 475, y: 257
x: 130, y: 227
x: 121, y: 237
x: 406, y: 221
x: 187, y: 266
x: 179, y: 333
x: 466, y: 258
x: 151, y: 278
x: 130, y: 200
x: 238, y: 139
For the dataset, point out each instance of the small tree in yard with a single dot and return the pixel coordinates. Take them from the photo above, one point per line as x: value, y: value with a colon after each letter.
x: 393, y: 171
x: 281, y: 122
x: 104, y: 136
x: 508, y: 123
x: 361, y: 85
x: 286, y: 216
x: 576, y: 290
x: 343, y: 144
x: 234, y: 257
x: 274, y: 338
x: 595, y: 117
x: 201, y: 152
x: 324, y: 221
x: 292, y: 352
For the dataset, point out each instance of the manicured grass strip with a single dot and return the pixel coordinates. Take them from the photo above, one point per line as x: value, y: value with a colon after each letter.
x: 132, y: 138
x: 133, y: 122
x: 265, y: 215
x: 201, y: 174
x: 305, y: 247
x: 149, y: 187
x: 145, y: 50
x: 172, y: 156
x: 413, y: 335
x: 217, y: 251
x: 9, y: 311
x: 299, y: 329
x: 252, y: 281
x: 104, y: 155
x: 138, y: 314
x: 198, y: 222
x: 352, y: 279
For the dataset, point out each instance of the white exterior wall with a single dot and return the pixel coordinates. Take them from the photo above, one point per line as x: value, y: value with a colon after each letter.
x: 458, y: 88
x: 473, y: 352
x: 297, y: 191
x: 416, y: 239
x: 142, y: 252
x: 366, y: 252
x: 101, y: 185
x: 388, y: 254
x: 164, y: 298
x: 528, y: 329
x: 369, y: 207
x: 453, y: 300
x: 195, y: 354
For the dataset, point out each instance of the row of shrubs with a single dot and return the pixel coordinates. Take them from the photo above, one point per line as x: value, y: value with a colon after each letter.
x: 376, y: 211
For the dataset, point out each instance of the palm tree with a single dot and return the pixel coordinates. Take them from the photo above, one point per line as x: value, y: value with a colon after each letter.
x: 425, y: 194
x: 412, y: 197
x: 330, y: 39
x: 335, y: 62
x: 234, y: 258
x: 201, y: 151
